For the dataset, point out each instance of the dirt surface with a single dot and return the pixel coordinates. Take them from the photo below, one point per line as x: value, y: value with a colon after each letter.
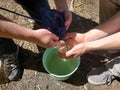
x: 34, y: 77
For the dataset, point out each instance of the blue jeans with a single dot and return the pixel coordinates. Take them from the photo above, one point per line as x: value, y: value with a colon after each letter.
x: 33, y: 7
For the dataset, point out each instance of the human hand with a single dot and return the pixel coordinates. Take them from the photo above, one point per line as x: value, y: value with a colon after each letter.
x: 74, y: 45
x: 74, y: 52
x: 45, y: 38
x: 68, y: 18
x: 74, y: 38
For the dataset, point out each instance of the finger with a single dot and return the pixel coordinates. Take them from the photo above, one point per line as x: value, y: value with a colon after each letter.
x: 59, y: 43
x: 69, y: 53
x: 54, y: 37
x: 68, y: 58
x: 68, y: 18
x: 56, y: 43
x: 53, y: 43
x: 75, y: 56
x: 61, y: 55
x: 70, y: 35
x: 67, y: 24
x: 64, y: 56
x: 70, y: 43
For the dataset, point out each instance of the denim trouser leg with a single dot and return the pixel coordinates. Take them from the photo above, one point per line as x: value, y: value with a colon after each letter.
x: 107, y: 10
x: 33, y: 8
x: 7, y: 46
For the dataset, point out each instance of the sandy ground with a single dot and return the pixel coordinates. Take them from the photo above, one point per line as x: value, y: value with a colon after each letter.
x: 85, y: 16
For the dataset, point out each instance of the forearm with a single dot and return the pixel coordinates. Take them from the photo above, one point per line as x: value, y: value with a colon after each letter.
x: 107, y: 28
x: 61, y: 5
x: 110, y: 42
x: 9, y: 29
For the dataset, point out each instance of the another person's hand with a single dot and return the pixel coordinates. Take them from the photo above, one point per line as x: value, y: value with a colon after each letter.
x: 74, y: 38
x: 68, y: 18
x: 75, y: 43
x: 74, y: 52
x: 46, y: 39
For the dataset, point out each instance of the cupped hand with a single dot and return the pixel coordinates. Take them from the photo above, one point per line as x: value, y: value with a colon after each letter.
x: 46, y: 39
x: 74, y: 38
x: 74, y: 52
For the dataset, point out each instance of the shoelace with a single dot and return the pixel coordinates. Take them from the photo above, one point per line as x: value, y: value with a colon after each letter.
x: 109, y: 79
x: 9, y: 62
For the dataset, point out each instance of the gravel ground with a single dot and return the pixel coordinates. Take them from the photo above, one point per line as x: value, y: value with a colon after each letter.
x: 85, y: 16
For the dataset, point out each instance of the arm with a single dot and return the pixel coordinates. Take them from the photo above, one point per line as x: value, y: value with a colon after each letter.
x: 107, y: 28
x: 41, y: 37
x: 9, y: 29
x: 61, y: 5
x: 104, y: 36
x: 110, y: 42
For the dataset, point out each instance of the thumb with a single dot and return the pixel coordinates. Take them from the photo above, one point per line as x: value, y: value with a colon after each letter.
x: 61, y: 42
x: 69, y: 53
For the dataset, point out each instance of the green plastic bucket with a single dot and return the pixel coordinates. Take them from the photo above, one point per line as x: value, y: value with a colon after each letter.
x: 59, y: 68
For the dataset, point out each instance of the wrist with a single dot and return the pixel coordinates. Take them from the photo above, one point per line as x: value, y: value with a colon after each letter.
x: 94, y: 34
x: 89, y: 46
x: 28, y: 35
x: 61, y: 5
x: 64, y: 10
x: 92, y: 46
x: 87, y: 37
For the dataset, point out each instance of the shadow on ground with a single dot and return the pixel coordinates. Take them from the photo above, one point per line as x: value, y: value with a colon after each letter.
x: 81, y: 24
x: 33, y: 61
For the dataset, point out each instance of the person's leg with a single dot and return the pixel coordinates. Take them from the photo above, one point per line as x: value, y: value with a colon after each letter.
x: 33, y: 8
x: 9, y: 59
x: 106, y: 10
